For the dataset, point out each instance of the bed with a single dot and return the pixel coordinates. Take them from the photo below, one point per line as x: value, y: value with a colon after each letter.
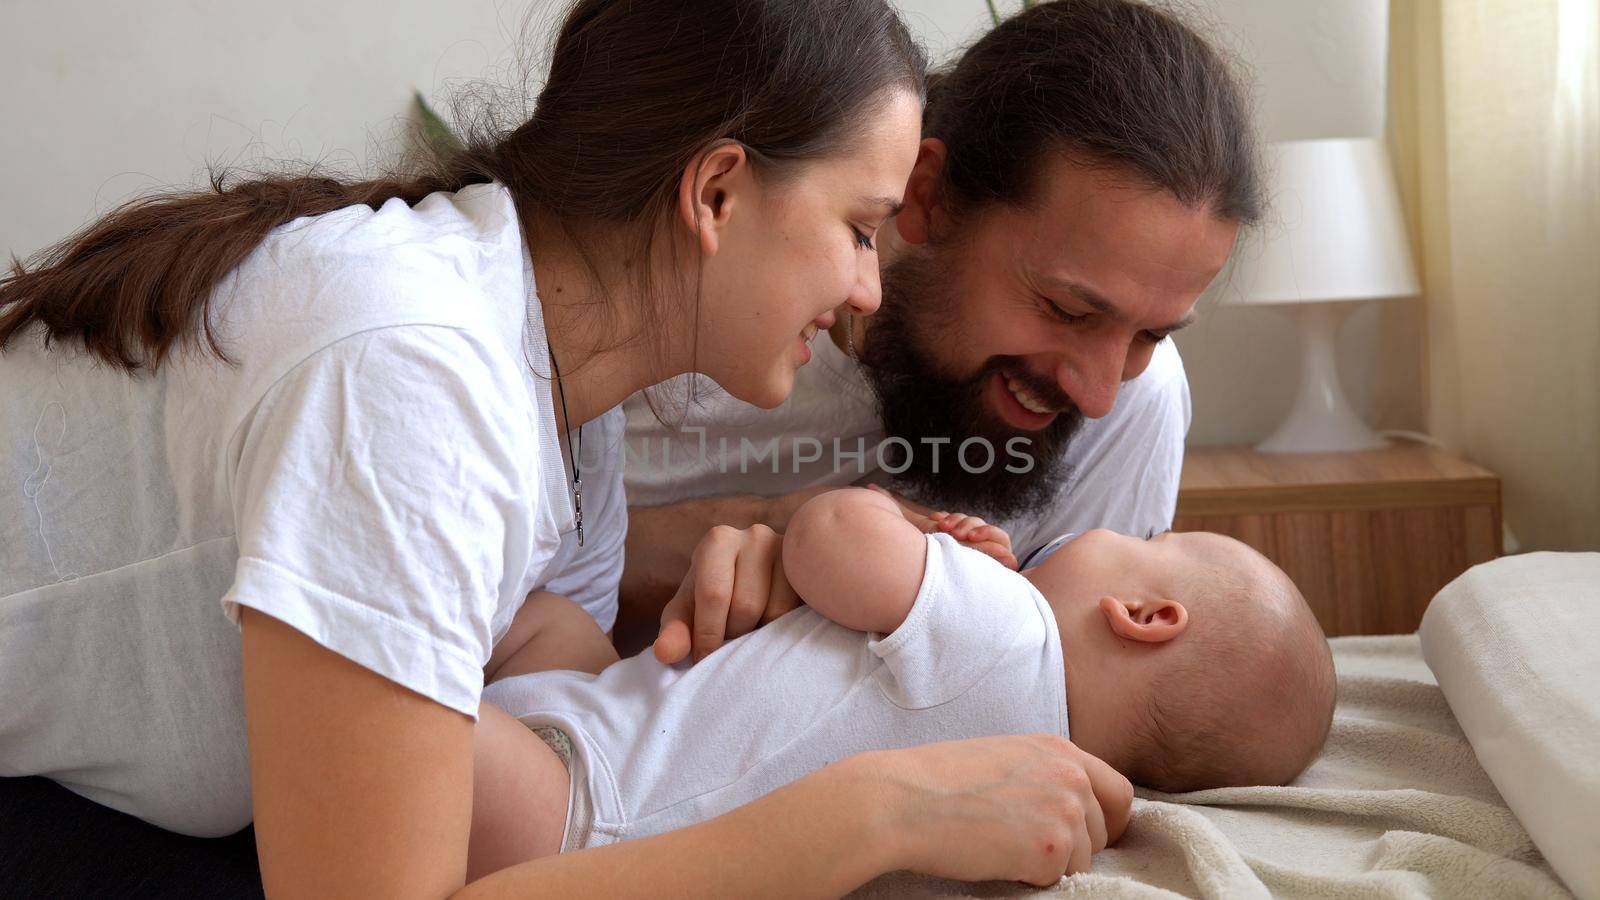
x: 1464, y: 761
x: 1486, y: 787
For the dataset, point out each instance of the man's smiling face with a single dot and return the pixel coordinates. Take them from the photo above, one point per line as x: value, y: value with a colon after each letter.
x: 1021, y: 321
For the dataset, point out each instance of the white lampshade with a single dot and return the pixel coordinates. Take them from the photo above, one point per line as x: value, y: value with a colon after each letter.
x: 1335, y: 230
x: 1335, y: 234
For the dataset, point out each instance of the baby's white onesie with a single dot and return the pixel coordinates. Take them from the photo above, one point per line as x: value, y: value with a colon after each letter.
x: 657, y: 747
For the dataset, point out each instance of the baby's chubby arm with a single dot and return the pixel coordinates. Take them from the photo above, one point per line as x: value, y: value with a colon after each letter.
x: 851, y: 555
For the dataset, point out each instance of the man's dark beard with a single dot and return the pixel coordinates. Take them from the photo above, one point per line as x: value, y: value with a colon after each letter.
x: 918, y: 399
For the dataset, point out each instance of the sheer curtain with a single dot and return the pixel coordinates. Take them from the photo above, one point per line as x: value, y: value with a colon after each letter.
x: 1495, y: 126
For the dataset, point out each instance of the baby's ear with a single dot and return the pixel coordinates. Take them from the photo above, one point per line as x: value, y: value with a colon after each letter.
x: 1154, y: 621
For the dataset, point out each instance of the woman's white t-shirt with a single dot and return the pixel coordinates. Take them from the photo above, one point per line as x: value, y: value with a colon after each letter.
x: 377, y: 464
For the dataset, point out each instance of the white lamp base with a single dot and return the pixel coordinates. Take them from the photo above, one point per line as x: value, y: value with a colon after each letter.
x: 1321, y: 419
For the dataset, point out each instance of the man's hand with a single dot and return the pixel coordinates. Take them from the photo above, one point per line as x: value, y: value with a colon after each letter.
x: 970, y: 531
x: 734, y: 585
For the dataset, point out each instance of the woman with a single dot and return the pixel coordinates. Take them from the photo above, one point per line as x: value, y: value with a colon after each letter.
x: 351, y: 413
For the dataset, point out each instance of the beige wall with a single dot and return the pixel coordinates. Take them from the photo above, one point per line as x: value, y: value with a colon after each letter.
x: 104, y: 100
x: 1318, y: 69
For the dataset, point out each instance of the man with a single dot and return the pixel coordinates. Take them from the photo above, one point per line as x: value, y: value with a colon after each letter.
x: 1085, y: 169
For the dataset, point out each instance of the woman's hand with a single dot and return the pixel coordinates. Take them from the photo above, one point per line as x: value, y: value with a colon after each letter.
x: 1020, y: 808
x: 970, y: 531
x: 734, y: 585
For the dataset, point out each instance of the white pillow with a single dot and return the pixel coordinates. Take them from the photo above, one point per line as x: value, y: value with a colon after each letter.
x: 1515, y: 645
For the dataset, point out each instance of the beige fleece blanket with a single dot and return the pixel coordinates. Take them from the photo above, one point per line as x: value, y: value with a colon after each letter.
x: 1396, y: 806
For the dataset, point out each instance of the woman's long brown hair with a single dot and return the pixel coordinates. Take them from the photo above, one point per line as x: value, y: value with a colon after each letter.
x: 636, y: 89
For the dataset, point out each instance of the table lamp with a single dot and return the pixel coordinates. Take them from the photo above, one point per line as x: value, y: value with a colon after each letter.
x: 1335, y: 235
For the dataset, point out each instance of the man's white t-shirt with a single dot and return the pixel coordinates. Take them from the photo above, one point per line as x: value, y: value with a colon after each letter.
x: 377, y: 465
x: 658, y: 747
x: 1123, y: 468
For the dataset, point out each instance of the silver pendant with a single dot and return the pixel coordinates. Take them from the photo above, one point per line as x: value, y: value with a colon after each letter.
x: 577, y: 508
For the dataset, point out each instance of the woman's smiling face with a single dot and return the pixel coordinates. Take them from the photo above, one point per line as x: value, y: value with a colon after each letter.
x: 790, y: 250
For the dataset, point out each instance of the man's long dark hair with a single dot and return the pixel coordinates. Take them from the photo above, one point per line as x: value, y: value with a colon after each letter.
x: 1117, y: 83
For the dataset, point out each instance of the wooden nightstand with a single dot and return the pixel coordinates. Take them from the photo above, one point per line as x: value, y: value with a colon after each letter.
x: 1369, y: 537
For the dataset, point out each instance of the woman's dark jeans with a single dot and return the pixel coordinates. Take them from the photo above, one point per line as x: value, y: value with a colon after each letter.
x: 54, y: 843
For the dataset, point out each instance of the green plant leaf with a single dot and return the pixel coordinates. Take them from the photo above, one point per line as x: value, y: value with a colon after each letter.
x: 993, y: 12
x: 440, y: 139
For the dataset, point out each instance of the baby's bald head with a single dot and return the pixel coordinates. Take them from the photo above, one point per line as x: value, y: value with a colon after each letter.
x: 1247, y: 698
x: 1192, y: 661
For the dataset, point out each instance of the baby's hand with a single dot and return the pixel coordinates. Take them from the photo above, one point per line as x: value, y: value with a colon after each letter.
x: 971, y: 531
x: 974, y: 532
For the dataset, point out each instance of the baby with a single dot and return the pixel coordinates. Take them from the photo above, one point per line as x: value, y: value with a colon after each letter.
x: 1187, y: 661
